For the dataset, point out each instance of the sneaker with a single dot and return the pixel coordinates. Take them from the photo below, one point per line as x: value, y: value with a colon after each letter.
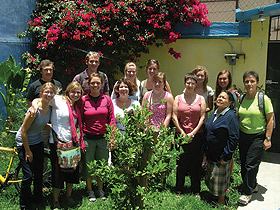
x: 56, y: 205
x: 244, y: 199
x: 101, y: 194
x: 91, y: 196
x: 256, y: 189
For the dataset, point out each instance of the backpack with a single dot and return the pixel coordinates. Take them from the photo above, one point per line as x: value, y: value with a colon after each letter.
x: 261, y: 105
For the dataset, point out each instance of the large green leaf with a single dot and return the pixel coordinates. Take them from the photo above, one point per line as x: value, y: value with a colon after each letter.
x: 8, y: 69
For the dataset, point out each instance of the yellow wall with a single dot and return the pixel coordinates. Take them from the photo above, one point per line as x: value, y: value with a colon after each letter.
x: 210, y: 53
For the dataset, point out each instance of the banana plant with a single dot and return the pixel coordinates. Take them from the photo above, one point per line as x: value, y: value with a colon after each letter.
x: 15, y: 80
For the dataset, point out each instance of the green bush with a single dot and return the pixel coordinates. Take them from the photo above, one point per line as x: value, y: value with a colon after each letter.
x: 141, y: 160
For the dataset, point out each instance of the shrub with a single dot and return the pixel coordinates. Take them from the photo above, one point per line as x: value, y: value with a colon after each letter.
x: 140, y: 157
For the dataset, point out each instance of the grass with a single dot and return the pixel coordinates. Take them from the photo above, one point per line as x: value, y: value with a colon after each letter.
x: 158, y: 199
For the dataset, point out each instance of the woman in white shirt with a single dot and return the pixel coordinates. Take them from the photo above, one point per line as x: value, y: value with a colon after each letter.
x: 123, y: 103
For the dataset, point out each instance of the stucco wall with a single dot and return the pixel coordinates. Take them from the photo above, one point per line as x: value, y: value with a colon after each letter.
x: 210, y: 52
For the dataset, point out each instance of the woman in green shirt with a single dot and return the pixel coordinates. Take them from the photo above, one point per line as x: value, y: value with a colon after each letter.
x: 255, y: 134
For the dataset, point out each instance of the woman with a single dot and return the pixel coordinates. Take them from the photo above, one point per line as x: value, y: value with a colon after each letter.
x: 202, y: 88
x: 122, y: 104
x: 152, y: 67
x: 130, y: 73
x: 188, y: 117
x: 255, y: 134
x: 224, y: 82
x: 222, y: 134
x: 65, y: 115
x: 30, y: 147
x: 159, y: 101
x: 97, y: 111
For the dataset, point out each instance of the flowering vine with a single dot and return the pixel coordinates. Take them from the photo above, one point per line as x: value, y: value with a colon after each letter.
x: 121, y: 30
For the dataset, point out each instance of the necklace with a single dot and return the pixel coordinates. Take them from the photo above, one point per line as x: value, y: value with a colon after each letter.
x: 156, y: 98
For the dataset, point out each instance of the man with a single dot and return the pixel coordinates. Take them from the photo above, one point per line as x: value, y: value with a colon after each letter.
x: 46, y: 70
x: 92, y: 62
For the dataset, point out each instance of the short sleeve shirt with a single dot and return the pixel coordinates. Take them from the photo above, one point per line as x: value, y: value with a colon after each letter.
x: 35, y: 87
x: 83, y: 81
x: 252, y: 120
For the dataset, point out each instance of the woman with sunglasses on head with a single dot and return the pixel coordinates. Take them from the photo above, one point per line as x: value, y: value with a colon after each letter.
x: 188, y: 117
x: 222, y: 133
x: 130, y: 73
x: 152, y: 67
x: 97, y: 112
x: 30, y: 147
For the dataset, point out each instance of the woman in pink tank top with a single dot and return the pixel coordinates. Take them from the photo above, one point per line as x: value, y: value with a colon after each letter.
x: 188, y: 117
x: 159, y: 101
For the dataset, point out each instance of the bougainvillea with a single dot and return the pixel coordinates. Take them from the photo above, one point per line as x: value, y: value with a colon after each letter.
x: 121, y: 29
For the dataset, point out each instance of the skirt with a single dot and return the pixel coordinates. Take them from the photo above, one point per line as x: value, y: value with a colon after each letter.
x: 217, y: 177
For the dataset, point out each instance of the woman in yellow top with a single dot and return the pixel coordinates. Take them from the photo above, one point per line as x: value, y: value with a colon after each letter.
x: 255, y: 134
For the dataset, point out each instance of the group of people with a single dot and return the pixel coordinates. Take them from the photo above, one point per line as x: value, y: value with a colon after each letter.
x: 79, y: 117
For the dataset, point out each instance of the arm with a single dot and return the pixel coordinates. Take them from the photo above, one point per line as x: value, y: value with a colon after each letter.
x: 201, y: 119
x: 25, y: 127
x: 210, y: 104
x: 233, y: 135
x: 168, y: 87
x: 175, y: 117
x: 34, y: 107
x: 144, y: 101
x: 269, y: 129
x: 112, y: 120
x: 170, y: 102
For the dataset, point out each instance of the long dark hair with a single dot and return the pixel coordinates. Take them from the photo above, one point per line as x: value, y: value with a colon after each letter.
x: 218, y: 87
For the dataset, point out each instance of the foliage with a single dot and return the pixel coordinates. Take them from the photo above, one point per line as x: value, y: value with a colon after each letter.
x: 140, y: 160
x: 15, y: 80
x: 64, y: 30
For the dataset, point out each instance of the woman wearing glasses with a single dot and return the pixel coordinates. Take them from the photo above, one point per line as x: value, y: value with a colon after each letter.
x: 30, y: 145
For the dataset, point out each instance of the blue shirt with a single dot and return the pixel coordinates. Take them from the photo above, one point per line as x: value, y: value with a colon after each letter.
x: 222, y: 135
x: 34, y: 132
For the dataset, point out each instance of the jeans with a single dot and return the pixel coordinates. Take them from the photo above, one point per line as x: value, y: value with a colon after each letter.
x: 30, y: 169
x: 251, y: 152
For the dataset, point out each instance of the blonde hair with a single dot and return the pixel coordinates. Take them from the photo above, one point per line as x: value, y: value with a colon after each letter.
x: 48, y: 85
x: 70, y: 88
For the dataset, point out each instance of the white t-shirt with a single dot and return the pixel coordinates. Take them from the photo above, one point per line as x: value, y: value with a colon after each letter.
x: 60, y: 119
x: 119, y: 112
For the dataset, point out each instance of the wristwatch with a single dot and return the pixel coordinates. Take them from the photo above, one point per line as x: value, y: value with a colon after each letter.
x: 268, y: 138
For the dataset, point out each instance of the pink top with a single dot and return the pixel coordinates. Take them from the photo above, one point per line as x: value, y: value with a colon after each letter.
x: 188, y: 114
x: 159, y: 110
x: 96, y: 115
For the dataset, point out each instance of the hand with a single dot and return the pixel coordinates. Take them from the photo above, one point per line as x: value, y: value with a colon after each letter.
x: 28, y: 156
x: 204, y: 161
x: 33, y: 111
x: 266, y: 144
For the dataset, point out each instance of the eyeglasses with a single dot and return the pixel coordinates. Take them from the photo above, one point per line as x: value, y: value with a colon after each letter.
x: 48, y: 93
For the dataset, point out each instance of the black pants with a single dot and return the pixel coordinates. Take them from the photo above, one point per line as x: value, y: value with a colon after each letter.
x: 251, y: 152
x: 190, y: 162
x: 30, y: 169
